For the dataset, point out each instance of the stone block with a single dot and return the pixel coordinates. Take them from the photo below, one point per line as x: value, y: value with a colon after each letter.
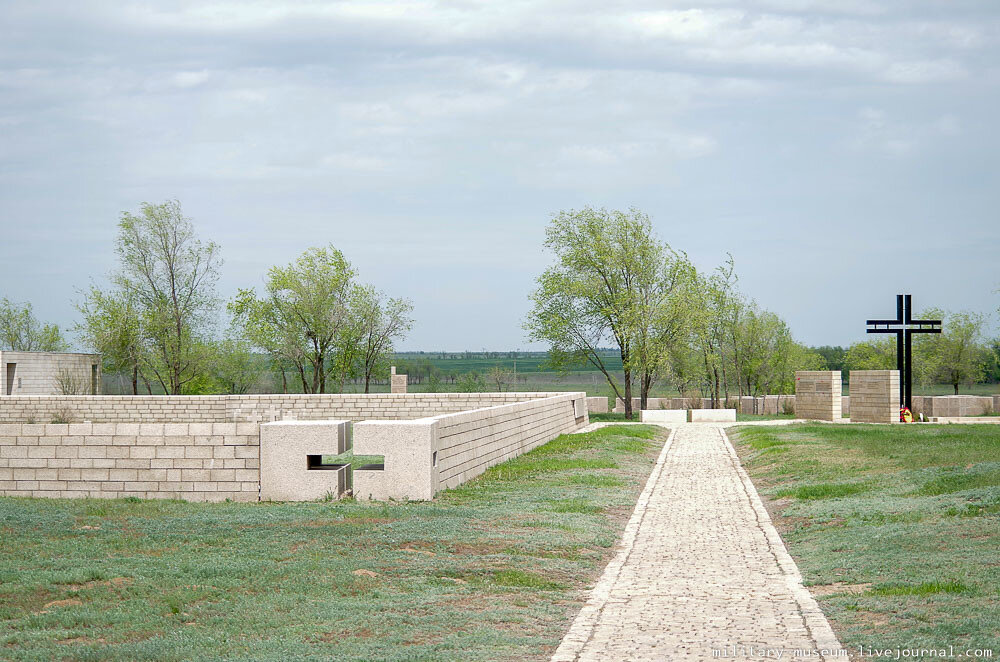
x: 663, y: 416
x: 410, y: 451
x: 711, y: 415
x: 397, y: 382
x: 597, y: 405
x: 289, y: 470
x: 818, y: 394
x: 874, y: 396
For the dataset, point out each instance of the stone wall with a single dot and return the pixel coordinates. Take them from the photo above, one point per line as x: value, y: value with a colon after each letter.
x: 470, y: 442
x: 49, y: 373
x: 206, y: 460
x: 597, y: 405
x: 764, y: 404
x: 953, y: 405
x: 192, y: 461
x: 874, y: 396
x: 244, y: 408
x: 818, y: 394
x: 426, y: 455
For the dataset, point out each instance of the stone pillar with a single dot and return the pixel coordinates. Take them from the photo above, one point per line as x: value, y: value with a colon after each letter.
x: 874, y: 396
x: 398, y: 382
x: 818, y: 394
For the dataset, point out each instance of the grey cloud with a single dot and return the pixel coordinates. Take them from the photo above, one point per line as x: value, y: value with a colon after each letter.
x: 431, y: 141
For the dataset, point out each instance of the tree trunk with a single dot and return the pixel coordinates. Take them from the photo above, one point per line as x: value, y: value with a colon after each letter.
x: 135, y: 379
x: 628, y: 394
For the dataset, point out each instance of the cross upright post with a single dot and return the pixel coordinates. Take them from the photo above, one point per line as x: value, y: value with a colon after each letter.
x: 904, y: 326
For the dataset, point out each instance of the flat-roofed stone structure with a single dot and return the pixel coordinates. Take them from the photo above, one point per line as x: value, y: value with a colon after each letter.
x: 49, y: 373
x: 874, y: 396
x: 818, y: 394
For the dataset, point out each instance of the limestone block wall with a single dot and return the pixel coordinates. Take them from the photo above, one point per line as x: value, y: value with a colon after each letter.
x: 874, y: 396
x: 114, y: 408
x: 429, y: 454
x: 470, y: 442
x: 192, y: 461
x: 818, y: 394
x: 597, y: 405
x: 953, y: 405
x: 362, y: 407
x: 765, y: 404
x: 244, y: 408
x: 38, y: 373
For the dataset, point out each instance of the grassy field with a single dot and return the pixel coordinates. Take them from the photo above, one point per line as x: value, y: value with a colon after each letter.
x: 896, y: 529
x: 492, y: 570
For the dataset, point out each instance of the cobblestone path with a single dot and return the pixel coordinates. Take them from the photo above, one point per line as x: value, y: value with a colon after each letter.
x: 701, y: 573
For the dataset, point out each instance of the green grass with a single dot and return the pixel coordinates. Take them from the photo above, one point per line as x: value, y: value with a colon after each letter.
x: 895, y: 527
x: 492, y: 570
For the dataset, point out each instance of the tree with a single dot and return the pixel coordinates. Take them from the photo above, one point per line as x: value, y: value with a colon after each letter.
x: 957, y: 355
x: 235, y: 368
x: 112, y: 327
x: 591, y: 295
x: 993, y: 365
x: 471, y: 382
x: 833, y: 356
x: 713, y: 314
x: 303, y: 314
x: 662, y: 314
x: 878, y: 354
x: 170, y: 275
x: 502, y: 378
x: 378, y: 323
x: 20, y: 330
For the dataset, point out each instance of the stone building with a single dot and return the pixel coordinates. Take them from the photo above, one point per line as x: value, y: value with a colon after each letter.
x: 49, y: 373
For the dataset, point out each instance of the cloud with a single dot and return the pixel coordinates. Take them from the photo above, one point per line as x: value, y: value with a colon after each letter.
x: 356, y: 122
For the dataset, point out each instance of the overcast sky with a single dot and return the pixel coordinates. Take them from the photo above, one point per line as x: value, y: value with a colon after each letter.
x: 841, y: 150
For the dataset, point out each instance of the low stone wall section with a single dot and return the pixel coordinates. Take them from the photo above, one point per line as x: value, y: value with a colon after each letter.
x: 192, y: 461
x: 244, y: 408
x: 597, y: 405
x: 954, y: 405
x: 470, y: 442
x: 430, y: 454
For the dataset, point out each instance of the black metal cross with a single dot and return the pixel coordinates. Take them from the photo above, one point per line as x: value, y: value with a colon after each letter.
x: 904, y: 326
